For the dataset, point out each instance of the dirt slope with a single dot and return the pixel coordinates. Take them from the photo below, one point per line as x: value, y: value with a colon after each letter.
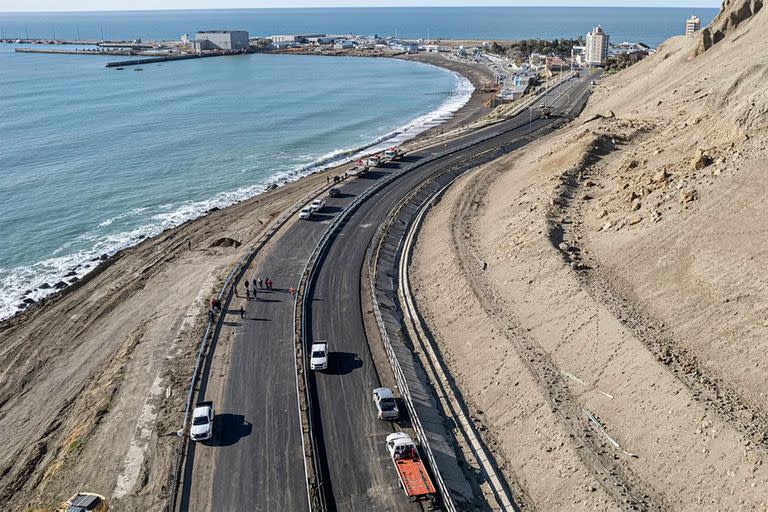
x: 624, y: 279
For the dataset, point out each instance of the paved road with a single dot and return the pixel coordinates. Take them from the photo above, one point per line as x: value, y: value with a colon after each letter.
x: 257, y: 460
x: 359, y: 474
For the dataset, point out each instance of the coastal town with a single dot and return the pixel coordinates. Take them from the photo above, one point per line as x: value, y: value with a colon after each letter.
x: 516, y: 74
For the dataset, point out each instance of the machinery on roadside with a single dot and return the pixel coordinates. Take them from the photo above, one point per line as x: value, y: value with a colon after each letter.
x: 414, y: 478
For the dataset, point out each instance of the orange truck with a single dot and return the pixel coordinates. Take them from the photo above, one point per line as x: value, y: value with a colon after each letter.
x: 414, y: 478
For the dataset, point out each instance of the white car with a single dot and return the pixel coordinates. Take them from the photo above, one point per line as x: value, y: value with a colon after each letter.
x: 317, y: 205
x: 373, y: 161
x: 386, y: 405
x: 318, y: 359
x: 306, y: 213
x: 202, y: 422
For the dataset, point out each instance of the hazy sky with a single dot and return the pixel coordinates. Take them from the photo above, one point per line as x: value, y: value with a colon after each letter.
x: 114, y: 5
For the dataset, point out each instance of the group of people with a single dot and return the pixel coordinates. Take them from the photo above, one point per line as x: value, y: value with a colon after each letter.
x: 252, y: 287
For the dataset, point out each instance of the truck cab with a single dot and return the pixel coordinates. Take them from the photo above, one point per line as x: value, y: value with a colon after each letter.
x: 202, y: 422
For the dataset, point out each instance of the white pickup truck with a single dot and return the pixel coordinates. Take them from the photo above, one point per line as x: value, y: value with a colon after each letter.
x: 202, y: 422
x: 318, y: 359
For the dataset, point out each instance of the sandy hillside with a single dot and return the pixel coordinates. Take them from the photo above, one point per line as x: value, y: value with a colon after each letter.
x: 621, y: 320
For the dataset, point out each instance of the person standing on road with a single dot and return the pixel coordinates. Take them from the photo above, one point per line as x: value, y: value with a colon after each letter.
x: 242, y: 312
x: 293, y: 292
x: 247, y: 284
x: 247, y: 294
x: 260, y: 283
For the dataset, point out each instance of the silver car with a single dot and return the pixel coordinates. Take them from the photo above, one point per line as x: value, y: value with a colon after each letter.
x: 386, y: 404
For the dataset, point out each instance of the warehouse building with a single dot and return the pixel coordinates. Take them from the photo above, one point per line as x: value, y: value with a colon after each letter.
x: 229, y: 40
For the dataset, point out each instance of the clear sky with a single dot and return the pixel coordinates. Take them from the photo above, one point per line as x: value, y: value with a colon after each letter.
x: 117, y: 5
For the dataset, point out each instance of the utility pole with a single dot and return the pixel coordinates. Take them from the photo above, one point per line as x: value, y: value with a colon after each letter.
x: 53, y: 31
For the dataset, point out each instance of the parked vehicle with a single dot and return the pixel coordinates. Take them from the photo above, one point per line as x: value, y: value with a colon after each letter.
x: 317, y: 205
x: 386, y: 404
x: 202, y: 422
x: 306, y: 213
x: 318, y: 359
x: 373, y: 161
x: 85, y: 502
x: 414, y: 478
x: 391, y: 154
x: 334, y: 192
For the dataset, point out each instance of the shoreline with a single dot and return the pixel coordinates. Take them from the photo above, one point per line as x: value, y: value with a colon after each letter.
x: 471, y: 110
x: 76, y: 273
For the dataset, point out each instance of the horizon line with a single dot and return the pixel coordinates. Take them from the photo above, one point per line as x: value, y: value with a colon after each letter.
x: 366, y: 7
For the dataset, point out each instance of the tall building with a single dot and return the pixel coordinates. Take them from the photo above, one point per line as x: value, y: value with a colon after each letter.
x: 692, y: 25
x: 597, y: 47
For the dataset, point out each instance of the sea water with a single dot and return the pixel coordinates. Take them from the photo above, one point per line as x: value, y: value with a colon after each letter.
x: 94, y: 160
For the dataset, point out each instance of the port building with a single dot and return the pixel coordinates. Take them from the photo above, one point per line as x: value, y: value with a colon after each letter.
x: 692, y: 24
x: 597, y: 47
x: 227, y: 40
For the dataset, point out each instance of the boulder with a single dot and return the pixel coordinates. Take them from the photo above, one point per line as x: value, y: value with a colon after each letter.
x: 660, y: 176
x: 635, y: 205
x: 687, y: 196
x: 45, y: 286
x: 700, y: 160
x: 634, y: 219
x: 60, y: 285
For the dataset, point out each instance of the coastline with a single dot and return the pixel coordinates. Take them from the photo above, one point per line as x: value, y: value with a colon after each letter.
x: 100, y: 344
x: 60, y: 276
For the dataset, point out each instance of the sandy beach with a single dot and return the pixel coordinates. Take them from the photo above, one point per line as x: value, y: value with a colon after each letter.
x: 99, y: 372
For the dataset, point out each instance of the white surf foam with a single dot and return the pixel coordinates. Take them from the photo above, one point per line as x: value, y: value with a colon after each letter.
x: 22, y: 283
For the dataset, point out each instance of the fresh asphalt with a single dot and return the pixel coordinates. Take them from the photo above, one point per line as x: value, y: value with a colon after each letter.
x: 258, y: 464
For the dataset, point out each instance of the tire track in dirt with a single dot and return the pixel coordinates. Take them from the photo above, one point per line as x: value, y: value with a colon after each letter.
x: 626, y: 489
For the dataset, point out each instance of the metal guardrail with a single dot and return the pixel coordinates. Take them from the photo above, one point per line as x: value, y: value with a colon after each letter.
x: 314, y: 486
x: 210, y: 330
x: 402, y: 383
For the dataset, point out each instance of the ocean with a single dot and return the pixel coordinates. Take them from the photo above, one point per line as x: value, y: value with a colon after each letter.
x: 95, y: 160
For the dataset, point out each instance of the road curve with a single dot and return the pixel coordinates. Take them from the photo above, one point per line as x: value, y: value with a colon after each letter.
x: 359, y: 474
x: 255, y: 462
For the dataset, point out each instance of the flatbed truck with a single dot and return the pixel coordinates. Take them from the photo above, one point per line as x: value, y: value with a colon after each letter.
x: 413, y: 475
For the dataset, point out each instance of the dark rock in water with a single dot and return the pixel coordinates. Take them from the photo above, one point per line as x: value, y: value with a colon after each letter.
x: 45, y: 286
x: 28, y: 301
x: 96, y: 258
x: 70, y: 274
x: 226, y: 242
x: 27, y: 292
x: 22, y: 306
x: 214, y: 209
x: 142, y: 237
x: 60, y: 285
x: 103, y: 257
x: 272, y: 186
x: 74, y: 280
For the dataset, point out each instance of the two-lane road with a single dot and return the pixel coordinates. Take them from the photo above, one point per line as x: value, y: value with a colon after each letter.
x: 255, y: 462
